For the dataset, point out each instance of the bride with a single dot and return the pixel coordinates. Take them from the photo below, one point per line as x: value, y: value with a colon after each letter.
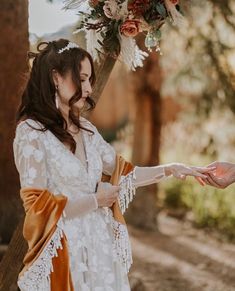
x: 74, y: 186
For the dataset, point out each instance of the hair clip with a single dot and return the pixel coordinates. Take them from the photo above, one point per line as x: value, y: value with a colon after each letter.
x: 69, y: 46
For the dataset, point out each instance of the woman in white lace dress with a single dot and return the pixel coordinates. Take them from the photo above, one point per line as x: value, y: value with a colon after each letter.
x: 61, y: 156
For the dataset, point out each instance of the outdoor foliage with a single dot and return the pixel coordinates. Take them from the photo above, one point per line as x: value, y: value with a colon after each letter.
x: 200, y: 144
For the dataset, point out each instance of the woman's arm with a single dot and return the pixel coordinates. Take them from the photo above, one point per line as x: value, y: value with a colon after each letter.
x: 148, y: 175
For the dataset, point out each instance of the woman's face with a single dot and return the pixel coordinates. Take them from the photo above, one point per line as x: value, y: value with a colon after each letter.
x: 66, y: 87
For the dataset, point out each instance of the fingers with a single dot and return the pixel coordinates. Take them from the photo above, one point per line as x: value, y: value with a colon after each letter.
x: 200, y: 181
x: 204, y: 170
x: 107, y: 194
x: 214, y: 164
x: 213, y: 181
x: 115, y: 188
x: 112, y: 198
x: 197, y: 174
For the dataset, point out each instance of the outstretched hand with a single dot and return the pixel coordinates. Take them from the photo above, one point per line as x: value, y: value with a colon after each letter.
x: 221, y: 177
x: 181, y: 171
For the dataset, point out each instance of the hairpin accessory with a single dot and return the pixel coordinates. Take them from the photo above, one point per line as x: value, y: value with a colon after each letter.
x: 69, y: 46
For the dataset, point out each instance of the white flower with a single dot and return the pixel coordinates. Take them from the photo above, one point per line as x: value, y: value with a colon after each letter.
x: 71, y: 168
x: 115, y: 11
x: 38, y: 155
x: 33, y: 135
x: 32, y: 173
x: 110, y: 8
x: 28, y: 151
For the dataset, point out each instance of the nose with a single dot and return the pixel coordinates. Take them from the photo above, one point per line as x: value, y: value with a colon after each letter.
x: 89, y: 88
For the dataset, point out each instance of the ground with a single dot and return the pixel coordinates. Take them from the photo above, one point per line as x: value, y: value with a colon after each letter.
x: 180, y: 258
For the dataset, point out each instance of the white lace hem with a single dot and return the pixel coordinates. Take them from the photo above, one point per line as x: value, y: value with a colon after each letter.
x: 37, y: 277
x: 127, y: 191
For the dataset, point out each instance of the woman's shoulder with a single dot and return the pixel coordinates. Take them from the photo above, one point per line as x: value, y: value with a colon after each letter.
x: 28, y: 127
x: 29, y: 124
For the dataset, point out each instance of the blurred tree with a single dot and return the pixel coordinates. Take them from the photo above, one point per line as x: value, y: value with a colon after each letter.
x: 13, y: 49
x: 146, y: 83
x: 201, y: 63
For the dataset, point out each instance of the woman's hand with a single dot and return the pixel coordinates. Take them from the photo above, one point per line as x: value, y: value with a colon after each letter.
x: 181, y: 171
x: 106, y: 194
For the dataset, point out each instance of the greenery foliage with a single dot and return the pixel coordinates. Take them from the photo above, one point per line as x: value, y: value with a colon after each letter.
x: 197, y: 141
x: 212, y: 208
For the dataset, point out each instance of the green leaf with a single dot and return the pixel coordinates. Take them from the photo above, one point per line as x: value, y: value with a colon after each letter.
x: 158, y: 34
x: 161, y: 9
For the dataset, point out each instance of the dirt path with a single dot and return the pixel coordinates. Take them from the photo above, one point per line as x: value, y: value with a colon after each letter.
x: 180, y: 258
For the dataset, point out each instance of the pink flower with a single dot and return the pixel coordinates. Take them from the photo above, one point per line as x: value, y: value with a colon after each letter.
x: 130, y: 27
x: 175, y: 2
x: 93, y: 3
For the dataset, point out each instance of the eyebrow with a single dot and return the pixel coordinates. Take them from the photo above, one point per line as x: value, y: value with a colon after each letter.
x: 84, y: 74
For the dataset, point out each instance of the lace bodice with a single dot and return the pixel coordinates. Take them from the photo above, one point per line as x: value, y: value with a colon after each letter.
x: 44, y: 162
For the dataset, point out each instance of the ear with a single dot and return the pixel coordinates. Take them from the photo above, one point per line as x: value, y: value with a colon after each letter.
x: 55, y: 76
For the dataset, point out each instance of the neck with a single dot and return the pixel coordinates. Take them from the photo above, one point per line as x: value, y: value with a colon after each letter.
x: 65, y: 113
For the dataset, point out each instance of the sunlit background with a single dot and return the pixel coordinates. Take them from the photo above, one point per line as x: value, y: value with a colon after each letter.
x: 46, y: 17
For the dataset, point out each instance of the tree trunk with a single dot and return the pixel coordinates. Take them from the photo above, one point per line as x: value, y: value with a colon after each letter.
x: 13, y: 260
x: 146, y: 83
x: 13, y: 51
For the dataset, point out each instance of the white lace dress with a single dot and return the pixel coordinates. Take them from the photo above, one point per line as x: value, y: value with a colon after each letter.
x: 44, y: 162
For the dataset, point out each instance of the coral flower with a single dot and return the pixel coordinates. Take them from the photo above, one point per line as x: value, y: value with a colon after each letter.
x: 130, y: 27
x: 175, y: 2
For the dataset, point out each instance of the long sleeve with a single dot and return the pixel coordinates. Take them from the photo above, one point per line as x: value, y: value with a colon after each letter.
x: 106, y: 151
x: 144, y: 176
x: 141, y: 176
x: 30, y: 160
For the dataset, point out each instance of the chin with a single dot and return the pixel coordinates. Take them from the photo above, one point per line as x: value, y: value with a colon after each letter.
x: 79, y: 106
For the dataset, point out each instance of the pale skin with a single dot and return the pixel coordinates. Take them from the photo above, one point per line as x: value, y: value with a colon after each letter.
x: 66, y: 89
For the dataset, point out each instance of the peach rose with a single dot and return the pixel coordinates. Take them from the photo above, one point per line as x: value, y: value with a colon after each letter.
x: 175, y: 2
x: 93, y: 3
x: 130, y: 27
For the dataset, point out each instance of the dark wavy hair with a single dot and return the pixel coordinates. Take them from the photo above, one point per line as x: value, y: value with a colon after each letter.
x: 38, y: 97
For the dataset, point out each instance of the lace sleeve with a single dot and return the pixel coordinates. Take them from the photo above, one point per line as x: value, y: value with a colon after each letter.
x: 29, y: 156
x: 107, y: 153
x: 30, y: 160
x: 140, y: 176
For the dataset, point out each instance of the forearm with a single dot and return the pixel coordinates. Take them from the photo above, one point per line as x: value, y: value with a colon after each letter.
x: 81, y: 206
x: 149, y: 175
x: 140, y: 176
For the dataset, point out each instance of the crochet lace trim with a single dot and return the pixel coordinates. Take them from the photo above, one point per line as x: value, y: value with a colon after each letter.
x: 37, y: 277
x: 127, y: 191
x: 122, y: 245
